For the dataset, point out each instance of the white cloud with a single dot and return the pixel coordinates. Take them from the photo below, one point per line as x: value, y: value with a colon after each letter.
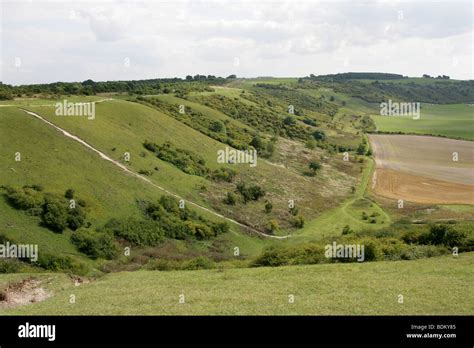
x: 75, y: 41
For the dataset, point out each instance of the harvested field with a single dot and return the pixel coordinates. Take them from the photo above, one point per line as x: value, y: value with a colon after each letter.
x: 421, y: 169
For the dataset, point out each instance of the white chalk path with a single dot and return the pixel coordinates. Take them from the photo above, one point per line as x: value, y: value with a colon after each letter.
x: 124, y: 168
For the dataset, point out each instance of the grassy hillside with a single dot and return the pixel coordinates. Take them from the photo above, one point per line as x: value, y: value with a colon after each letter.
x: 64, y: 164
x: 315, y: 156
x: 438, y: 286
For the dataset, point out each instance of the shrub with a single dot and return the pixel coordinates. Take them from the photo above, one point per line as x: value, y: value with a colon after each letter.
x: 250, y: 193
x: 76, y: 218
x: 69, y: 194
x: 443, y: 234
x: 372, y: 249
x: 55, y: 214
x: 138, y: 232
x: 200, y: 262
x: 187, y: 161
x: 61, y: 264
x: 297, y: 221
x: 268, y: 207
x: 272, y: 226
x: 314, y: 167
x: 25, y: 198
x: 289, y: 121
x: 319, y: 135
x: 272, y: 256
x: 257, y: 143
x: 347, y: 230
x: 10, y: 266
x: 217, y: 126
x: 294, y: 211
x: 94, y: 244
x: 223, y: 174
x: 230, y: 198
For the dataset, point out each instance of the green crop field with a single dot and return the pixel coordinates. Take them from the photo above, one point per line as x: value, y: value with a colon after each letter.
x: 454, y: 121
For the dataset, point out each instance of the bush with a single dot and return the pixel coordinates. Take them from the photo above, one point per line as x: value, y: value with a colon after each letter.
x: 272, y: 257
x: 55, y: 215
x: 200, y: 262
x: 61, y: 264
x: 187, y: 161
x: 257, y: 144
x: 307, y: 253
x: 268, y: 207
x: 445, y: 234
x: 230, y: 199
x: 250, y: 193
x: 53, y: 210
x: 297, y: 221
x: 69, y: 194
x: 438, y: 234
x: 11, y: 266
x: 294, y: 211
x: 95, y: 245
x: 314, y: 167
x: 223, y: 174
x: 25, y: 198
x: 272, y: 226
x: 138, y: 232
x: 217, y: 126
x: 76, y: 218
x: 347, y: 230
x: 319, y: 135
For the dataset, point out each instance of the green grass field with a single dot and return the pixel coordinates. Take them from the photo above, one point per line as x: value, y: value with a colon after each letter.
x: 440, y: 286
x: 454, y: 121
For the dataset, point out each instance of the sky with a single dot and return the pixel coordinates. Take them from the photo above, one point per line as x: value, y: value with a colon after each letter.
x: 49, y: 41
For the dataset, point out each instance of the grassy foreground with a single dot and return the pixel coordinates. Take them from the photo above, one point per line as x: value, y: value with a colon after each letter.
x: 441, y: 286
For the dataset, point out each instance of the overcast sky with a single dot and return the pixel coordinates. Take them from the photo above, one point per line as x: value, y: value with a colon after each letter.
x: 48, y: 41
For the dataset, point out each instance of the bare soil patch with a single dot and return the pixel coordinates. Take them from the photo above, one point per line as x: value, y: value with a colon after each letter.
x: 22, y: 293
x: 421, y: 169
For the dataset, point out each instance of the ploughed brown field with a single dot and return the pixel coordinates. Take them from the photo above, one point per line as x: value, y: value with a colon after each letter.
x: 421, y: 169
